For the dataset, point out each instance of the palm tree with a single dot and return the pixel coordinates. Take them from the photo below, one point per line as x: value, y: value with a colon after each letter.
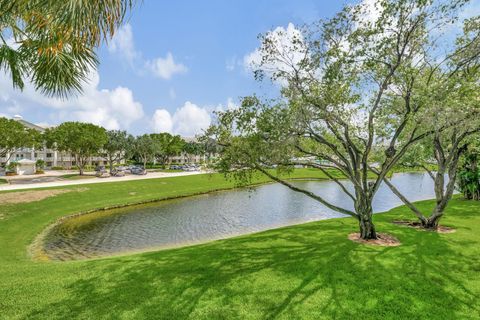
x: 52, y: 43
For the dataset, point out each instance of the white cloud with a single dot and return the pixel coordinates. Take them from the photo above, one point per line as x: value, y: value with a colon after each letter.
x: 123, y: 44
x: 187, y: 121
x: 112, y: 109
x: 162, y: 121
x: 230, y: 105
x: 166, y: 67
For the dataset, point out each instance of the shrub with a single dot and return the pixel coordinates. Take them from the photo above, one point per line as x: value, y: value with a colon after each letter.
x: 40, y: 164
x: 11, y: 166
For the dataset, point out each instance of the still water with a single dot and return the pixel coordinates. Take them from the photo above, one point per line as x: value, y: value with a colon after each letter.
x: 212, y: 216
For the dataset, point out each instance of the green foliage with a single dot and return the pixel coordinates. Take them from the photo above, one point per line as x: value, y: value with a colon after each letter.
x: 468, y: 180
x: 54, y: 42
x: 356, y: 94
x: 166, y: 145
x: 119, y: 145
x: 12, y: 166
x: 144, y: 148
x: 82, y: 140
x: 13, y: 135
x: 40, y: 164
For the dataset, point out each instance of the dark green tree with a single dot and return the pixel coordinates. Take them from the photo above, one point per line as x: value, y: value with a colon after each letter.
x: 81, y: 140
x: 13, y: 136
x: 119, y: 146
x: 144, y: 148
x: 166, y: 145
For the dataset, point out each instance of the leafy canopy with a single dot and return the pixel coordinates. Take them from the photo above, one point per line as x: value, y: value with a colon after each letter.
x: 52, y: 43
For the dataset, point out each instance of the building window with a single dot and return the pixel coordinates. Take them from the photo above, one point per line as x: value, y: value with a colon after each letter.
x: 35, y: 154
x: 49, y: 155
x: 49, y: 164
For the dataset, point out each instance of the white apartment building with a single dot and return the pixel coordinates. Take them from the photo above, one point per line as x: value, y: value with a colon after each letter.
x: 51, y: 157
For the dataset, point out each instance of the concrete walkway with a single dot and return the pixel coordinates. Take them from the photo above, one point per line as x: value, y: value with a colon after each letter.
x: 150, y: 175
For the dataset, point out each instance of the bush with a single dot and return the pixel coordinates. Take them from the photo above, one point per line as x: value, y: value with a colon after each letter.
x: 40, y: 164
x: 39, y: 172
x: 58, y: 168
x: 11, y: 166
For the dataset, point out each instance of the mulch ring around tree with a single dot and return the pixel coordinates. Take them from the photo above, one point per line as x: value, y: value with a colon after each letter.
x: 383, y: 239
x: 417, y: 225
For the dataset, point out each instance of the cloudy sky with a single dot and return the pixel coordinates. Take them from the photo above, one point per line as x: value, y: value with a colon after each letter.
x: 171, y: 65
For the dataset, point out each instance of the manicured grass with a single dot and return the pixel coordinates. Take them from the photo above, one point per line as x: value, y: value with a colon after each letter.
x: 76, y: 176
x: 309, y: 271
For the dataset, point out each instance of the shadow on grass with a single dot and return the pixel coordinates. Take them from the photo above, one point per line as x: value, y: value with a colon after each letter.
x: 310, y: 271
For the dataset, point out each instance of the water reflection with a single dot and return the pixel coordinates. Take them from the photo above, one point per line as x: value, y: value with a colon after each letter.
x: 212, y: 216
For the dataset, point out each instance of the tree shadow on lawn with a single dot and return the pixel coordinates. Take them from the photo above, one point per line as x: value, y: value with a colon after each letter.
x: 308, y: 271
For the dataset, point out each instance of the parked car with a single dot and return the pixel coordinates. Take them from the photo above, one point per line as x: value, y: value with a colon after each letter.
x: 118, y: 173
x: 191, y: 167
x: 138, y: 171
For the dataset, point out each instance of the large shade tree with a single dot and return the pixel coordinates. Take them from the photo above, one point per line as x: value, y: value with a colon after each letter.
x: 81, y: 140
x: 166, y: 145
x: 52, y: 43
x: 119, y: 146
x: 13, y: 136
x: 144, y: 149
x: 337, y: 79
x: 453, y: 103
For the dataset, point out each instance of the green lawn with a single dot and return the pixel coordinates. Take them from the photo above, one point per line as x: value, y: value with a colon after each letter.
x: 76, y: 176
x: 309, y: 271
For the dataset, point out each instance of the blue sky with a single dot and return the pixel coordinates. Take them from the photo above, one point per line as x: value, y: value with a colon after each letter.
x: 209, y: 38
x: 172, y: 64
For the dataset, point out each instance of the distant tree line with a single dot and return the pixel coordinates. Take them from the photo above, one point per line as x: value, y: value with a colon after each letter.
x: 84, y: 140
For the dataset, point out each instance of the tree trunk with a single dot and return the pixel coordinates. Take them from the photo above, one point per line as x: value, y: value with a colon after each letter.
x: 433, y: 220
x: 363, y: 208
x: 367, y: 228
x: 110, y: 161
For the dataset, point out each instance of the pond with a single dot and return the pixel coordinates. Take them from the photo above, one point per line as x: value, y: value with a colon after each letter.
x: 217, y: 215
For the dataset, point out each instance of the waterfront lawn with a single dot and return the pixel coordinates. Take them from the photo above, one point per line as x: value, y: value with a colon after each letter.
x: 309, y: 271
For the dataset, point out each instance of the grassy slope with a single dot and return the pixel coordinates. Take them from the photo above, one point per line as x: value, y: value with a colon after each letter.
x: 306, y: 271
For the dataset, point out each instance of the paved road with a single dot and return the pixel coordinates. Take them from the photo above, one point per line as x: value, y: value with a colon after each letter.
x: 151, y: 175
